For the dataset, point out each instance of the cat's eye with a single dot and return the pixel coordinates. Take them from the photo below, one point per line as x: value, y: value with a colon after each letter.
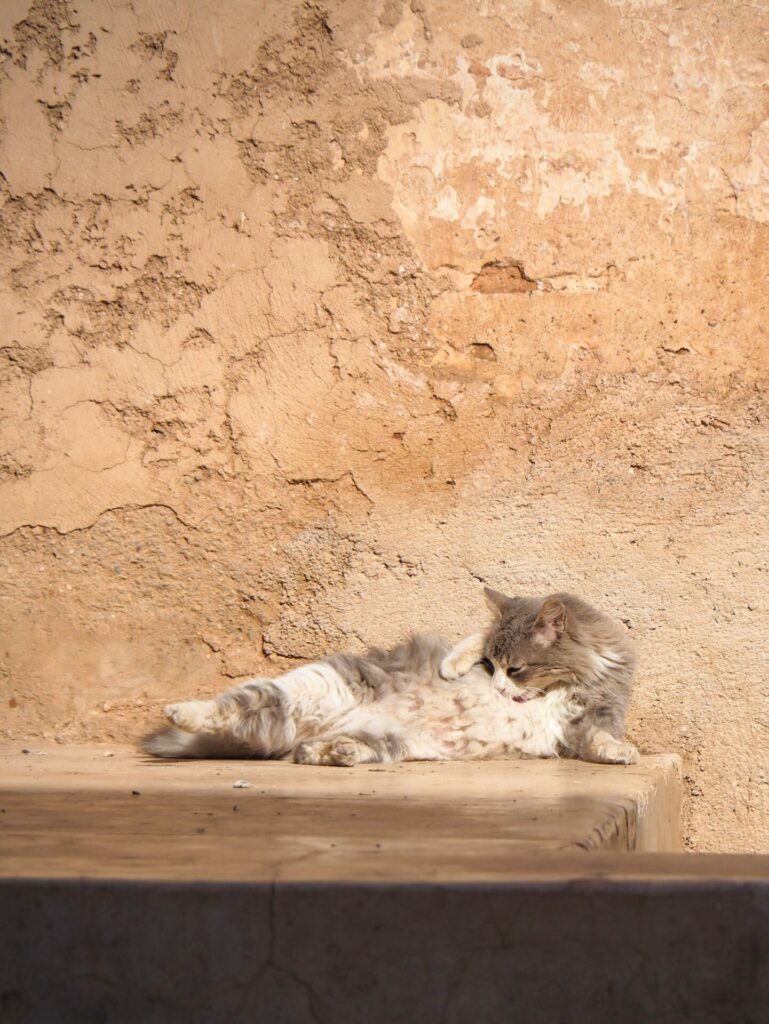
x: 487, y: 665
x: 513, y: 670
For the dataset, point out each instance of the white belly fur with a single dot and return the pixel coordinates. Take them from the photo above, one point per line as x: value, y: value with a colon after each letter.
x: 495, y: 726
x: 466, y: 719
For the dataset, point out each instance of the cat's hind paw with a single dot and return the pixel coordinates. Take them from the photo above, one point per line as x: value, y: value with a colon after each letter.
x: 192, y: 715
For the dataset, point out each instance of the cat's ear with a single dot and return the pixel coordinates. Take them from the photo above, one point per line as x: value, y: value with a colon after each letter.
x: 498, y: 602
x: 551, y: 621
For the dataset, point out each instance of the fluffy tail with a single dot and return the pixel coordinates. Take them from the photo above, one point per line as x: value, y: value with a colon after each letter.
x: 169, y: 741
x: 172, y: 742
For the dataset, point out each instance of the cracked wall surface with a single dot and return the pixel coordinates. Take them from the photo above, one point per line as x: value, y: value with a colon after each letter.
x: 317, y: 316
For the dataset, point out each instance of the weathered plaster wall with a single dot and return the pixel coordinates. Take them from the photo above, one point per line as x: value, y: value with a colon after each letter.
x: 316, y: 315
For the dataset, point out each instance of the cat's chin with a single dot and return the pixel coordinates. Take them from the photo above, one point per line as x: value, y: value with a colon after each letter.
x: 520, y: 696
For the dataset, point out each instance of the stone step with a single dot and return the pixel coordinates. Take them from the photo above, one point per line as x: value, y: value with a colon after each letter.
x: 74, y: 811
x: 133, y: 890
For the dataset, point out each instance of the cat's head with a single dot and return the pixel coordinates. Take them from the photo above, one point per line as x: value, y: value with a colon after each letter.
x: 526, y: 647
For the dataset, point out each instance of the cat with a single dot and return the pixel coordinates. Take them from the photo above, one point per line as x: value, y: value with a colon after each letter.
x: 550, y: 678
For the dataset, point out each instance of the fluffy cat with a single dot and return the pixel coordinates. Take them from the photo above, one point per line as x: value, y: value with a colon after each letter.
x: 550, y: 678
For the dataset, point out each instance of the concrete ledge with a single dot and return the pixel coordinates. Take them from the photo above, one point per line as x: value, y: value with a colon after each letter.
x: 135, y: 890
x: 76, y: 812
x: 567, y: 951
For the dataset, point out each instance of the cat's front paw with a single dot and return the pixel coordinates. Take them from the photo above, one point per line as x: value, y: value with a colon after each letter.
x: 615, y: 752
x: 346, y: 752
x: 449, y: 668
x: 343, y: 752
x: 309, y: 753
x: 461, y: 658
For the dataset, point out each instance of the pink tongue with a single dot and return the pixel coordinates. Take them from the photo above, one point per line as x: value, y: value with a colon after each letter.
x: 521, y: 698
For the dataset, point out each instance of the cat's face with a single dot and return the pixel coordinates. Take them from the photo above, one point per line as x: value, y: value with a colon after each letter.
x: 522, y: 648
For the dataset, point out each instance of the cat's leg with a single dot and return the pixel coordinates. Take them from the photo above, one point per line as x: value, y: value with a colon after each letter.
x: 461, y: 658
x: 223, y: 711
x: 595, y: 734
x: 267, y: 717
x: 314, y: 691
x: 603, y: 748
x: 344, y: 751
x: 252, y: 718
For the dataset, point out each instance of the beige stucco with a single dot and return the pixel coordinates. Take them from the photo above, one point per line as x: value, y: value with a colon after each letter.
x: 260, y: 398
